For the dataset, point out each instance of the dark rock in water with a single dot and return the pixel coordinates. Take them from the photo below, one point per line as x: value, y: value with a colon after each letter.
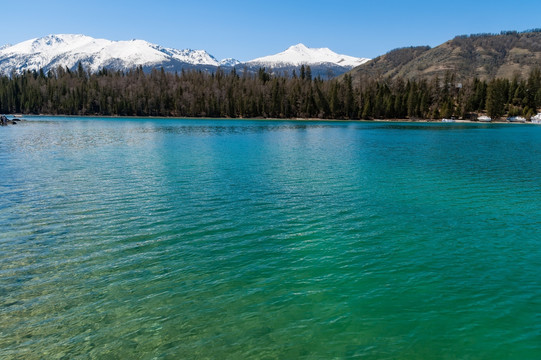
x: 5, y: 121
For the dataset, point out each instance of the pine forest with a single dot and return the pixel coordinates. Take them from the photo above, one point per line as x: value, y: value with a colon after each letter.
x: 243, y: 94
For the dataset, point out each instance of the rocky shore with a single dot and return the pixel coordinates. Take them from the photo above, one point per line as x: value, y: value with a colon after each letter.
x: 4, y: 121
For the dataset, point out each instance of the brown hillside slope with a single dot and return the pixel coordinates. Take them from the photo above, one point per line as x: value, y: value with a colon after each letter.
x: 483, y: 56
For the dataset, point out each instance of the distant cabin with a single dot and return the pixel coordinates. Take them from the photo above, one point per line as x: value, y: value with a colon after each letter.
x: 484, y: 118
x: 516, y: 119
x: 536, y: 119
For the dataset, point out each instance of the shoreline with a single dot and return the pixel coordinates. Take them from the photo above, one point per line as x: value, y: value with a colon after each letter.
x: 21, y: 116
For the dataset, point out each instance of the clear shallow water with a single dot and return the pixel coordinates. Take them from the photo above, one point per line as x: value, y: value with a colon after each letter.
x: 257, y: 239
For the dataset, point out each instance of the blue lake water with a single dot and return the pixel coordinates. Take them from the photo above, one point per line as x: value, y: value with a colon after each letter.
x: 228, y: 239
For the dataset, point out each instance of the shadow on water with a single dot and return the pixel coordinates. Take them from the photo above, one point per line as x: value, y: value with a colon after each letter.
x: 439, y: 126
x: 229, y: 130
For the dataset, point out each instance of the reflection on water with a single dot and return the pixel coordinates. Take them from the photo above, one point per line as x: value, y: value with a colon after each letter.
x: 95, y: 133
x: 441, y: 126
x: 228, y: 130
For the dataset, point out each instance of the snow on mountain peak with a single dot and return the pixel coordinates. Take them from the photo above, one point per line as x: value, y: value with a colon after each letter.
x: 49, y: 44
x: 298, y: 47
x: 229, y: 62
x: 67, y: 50
x: 300, y: 54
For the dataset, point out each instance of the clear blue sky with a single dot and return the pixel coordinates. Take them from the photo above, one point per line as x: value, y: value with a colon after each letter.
x: 250, y: 29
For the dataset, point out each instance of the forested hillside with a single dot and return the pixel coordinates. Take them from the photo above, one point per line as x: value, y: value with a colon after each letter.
x: 248, y: 95
x: 485, y: 56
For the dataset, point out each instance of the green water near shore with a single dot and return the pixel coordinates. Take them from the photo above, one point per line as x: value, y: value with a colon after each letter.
x: 167, y: 238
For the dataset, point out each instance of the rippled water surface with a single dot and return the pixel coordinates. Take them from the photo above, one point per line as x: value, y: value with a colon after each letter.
x: 169, y: 239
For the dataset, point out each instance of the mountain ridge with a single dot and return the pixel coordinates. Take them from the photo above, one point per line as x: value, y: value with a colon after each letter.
x: 485, y: 56
x: 68, y: 50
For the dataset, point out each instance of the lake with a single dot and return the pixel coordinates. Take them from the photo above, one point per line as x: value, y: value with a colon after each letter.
x: 236, y: 239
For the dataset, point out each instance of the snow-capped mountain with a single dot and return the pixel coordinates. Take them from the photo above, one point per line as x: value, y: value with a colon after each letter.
x: 299, y: 54
x: 229, y: 62
x: 67, y: 50
x: 323, y: 62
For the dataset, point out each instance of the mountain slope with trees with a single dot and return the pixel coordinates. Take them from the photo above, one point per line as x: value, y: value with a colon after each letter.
x: 485, y: 56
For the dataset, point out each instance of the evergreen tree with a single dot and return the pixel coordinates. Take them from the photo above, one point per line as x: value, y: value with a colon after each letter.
x: 308, y: 73
x: 496, y: 98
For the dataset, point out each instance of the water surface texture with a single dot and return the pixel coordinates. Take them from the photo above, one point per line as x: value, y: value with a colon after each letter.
x: 218, y: 239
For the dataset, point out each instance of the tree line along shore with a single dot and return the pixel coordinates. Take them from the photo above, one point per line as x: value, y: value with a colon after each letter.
x: 242, y: 94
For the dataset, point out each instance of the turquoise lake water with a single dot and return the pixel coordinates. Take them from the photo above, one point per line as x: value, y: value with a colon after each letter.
x: 219, y: 239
